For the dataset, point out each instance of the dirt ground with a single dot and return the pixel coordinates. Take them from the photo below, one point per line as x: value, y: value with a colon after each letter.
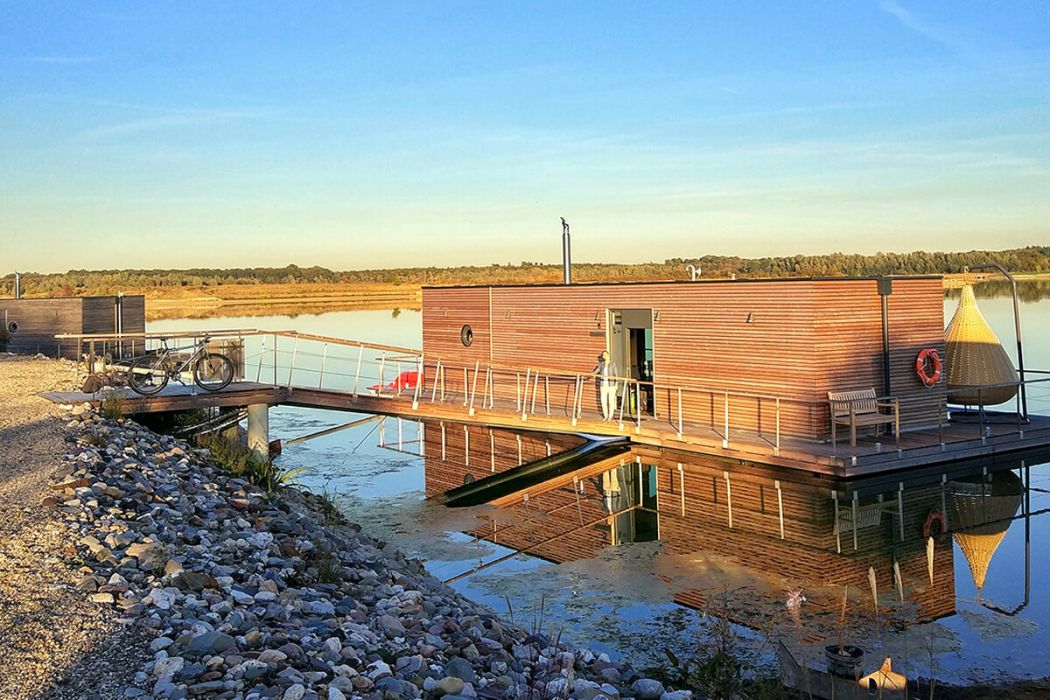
x: 55, y: 643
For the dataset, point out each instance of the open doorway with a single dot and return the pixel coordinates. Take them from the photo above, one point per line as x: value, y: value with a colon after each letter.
x: 630, y: 343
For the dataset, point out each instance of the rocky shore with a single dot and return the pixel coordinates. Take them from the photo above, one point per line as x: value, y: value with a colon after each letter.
x: 240, y: 593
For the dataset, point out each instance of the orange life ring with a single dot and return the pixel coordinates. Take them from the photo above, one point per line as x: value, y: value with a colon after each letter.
x: 935, y: 516
x: 928, y: 366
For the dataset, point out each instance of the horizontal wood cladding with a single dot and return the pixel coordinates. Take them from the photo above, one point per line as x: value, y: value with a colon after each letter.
x: 38, y: 321
x: 33, y: 323
x: 444, y: 316
x: 797, y: 339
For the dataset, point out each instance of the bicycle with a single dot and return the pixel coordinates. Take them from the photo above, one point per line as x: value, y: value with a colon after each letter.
x: 148, y: 374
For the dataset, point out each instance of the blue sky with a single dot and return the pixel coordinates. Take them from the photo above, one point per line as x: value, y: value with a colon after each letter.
x: 353, y: 135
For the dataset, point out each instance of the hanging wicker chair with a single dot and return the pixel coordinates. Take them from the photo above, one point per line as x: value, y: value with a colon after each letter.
x: 981, y: 512
x: 974, y: 357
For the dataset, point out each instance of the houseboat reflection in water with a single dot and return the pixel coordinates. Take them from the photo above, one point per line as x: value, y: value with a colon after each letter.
x: 742, y: 540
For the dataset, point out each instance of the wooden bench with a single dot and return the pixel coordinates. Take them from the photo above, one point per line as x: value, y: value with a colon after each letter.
x: 861, y: 408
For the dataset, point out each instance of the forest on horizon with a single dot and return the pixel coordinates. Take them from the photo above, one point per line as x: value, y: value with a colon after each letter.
x: 1032, y: 259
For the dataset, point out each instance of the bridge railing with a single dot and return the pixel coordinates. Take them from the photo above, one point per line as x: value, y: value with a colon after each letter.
x: 676, y: 407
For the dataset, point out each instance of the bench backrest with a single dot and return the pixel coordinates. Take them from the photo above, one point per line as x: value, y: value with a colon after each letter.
x: 863, y: 402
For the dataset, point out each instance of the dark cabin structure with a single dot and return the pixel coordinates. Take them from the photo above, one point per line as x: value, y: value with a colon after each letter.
x: 32, y: 324
x: 794, y: 339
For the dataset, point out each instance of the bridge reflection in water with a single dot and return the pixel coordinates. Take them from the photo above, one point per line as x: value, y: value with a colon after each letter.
x: 739, y: 539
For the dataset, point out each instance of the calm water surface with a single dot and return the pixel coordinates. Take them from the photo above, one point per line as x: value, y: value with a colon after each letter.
x: 615, y: 601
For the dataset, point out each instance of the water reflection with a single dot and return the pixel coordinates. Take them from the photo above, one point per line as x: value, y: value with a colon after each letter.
x: 741, y: 541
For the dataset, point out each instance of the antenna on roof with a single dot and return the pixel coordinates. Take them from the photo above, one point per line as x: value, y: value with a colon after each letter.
x: 566, y: 255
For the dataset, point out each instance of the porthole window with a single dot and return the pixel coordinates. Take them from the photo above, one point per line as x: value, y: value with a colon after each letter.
x: 12, y: 327
x: 466, y: 335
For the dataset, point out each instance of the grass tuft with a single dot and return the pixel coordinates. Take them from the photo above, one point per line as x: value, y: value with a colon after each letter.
x: 112, y: 405
x: 239, y: 461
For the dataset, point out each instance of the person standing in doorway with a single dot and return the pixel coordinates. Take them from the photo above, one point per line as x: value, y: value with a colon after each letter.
x: 606, y: 373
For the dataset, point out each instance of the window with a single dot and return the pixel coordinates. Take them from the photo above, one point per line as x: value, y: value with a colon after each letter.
x: 466, y: 335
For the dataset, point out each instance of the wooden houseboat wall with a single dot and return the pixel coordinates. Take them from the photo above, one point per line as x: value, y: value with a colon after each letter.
x: 32, y: 324
x: 794, y: 338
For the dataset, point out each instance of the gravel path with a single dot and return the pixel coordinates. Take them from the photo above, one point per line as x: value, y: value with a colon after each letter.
x: 53, y: 642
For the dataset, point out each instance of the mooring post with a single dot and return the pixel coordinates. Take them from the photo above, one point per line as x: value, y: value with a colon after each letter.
x: 259, y: 430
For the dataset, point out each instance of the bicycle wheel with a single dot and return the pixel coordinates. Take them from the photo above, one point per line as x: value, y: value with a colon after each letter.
x: 213, y: 371
x: 148, y: 374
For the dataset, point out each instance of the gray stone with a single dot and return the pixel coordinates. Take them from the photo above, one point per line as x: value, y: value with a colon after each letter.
x: 449, y: 685
x: 647, y: 689
x: 212, y: 643
x: 462, y: 669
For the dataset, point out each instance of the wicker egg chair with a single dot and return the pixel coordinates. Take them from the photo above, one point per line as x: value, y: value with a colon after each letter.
x: 974, y: 358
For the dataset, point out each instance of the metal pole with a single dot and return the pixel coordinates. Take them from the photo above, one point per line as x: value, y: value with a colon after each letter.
x: 679, y: 413
x: 776, y: 449
x: 357, y: 376
x: 885, y: 287
x: 566, y: 252
x: 291, y: 367
x: 780, y: 507
x: 1017, y: 328
x: 474, y: 387
x: 324, y: 358
x: 525, y: 395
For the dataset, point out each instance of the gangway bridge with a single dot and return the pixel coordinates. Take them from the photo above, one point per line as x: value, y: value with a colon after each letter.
x: 293, y: 368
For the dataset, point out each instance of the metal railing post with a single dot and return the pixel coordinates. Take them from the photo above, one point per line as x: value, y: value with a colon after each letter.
x: 725, y: 438
x: 547, y: 392
x: 474, y: 387
x: 776, y: 448
x: 357, y: 375
x: 419, y: 382
x: 324, y: 359
x: 638, y: 407
x: 262, y: 351
x: 291, y: 366
x: 535, y: 388
x: 382, y: 372
x: 679, y: 413
x: 466, y: 381
x: 517, y: 382
x: 623, y: 400
x: 525, y: 395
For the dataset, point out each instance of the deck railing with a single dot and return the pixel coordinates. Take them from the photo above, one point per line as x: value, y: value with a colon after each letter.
x: 682, y: 410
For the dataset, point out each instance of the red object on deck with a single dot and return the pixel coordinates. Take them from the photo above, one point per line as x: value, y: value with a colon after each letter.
x: 405, y: 380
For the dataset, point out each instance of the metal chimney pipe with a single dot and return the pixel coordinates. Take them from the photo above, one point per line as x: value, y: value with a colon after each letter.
x: 566, y: 252
x: 18, y: 286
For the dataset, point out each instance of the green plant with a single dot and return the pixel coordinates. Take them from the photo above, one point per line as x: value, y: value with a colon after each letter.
x: 240, y: 461
x: 112, y: 405
x: 722, y: 666
x: 329, y: 569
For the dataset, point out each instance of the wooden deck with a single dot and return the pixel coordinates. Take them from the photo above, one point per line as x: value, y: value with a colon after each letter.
x: 962, y: 438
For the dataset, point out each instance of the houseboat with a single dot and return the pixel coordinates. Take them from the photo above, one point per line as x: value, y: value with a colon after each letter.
x: 842, y: 375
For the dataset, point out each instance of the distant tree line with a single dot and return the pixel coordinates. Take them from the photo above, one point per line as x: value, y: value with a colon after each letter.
x: 1032, y: 259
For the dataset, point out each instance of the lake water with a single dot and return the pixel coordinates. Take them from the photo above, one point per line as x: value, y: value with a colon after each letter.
x: 622, y: 599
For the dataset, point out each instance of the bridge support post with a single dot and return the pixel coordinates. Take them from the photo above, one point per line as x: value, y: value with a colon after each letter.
x: 259, y: 430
